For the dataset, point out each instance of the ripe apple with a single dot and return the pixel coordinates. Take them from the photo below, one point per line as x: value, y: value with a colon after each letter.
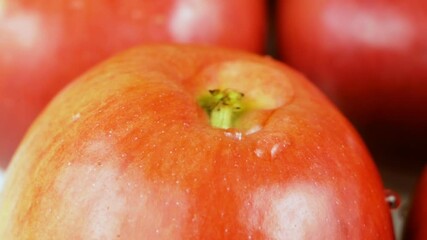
x: 416, y: 226
x: 190, y: 142
x: 370, y: 57
x: 46, y: 43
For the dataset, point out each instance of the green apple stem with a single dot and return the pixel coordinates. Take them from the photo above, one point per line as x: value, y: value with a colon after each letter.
x: 222, y: 106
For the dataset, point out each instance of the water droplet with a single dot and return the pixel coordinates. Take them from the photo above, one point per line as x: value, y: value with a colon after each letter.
x: 392, y: 198
x: 234, y: 134
x: 259, y: 152
x: 272, y: 144
x: 75, y: 117
x: 110, y: 133
x: 253, y: 129
x: 275, y: 149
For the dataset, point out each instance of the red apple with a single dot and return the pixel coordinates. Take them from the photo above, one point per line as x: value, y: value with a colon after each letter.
x: 187, y: 142
x: 46, y: 43
x: 416, y: 226
x: 370, y: 57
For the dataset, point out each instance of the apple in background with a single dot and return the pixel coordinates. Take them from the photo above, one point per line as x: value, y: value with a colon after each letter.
x: 46, y: 43
x: 416, y: 226
x: 370, y: 57
x: 190, y: 142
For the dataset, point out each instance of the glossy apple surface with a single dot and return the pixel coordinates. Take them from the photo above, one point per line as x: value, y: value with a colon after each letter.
x: 416, y: 227
x: 46, y: 43
x: 128, y: 150
x: 370, y: 57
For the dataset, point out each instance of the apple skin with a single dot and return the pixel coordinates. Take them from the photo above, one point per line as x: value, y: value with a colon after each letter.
x: 126, y: 151
x: 46, y: 43
x: 369, y: 57
x: 416, y: 226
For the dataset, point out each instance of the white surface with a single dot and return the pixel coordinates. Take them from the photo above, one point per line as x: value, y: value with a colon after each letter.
x: 2, y: 175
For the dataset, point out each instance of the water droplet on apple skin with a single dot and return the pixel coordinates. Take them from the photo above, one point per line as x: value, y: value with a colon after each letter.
x: 392, y: 198
x: 75, y: 117
x: 234, y: 134
x: 271, y: 145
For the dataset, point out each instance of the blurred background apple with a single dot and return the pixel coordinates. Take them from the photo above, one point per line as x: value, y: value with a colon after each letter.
x: 46, y: 43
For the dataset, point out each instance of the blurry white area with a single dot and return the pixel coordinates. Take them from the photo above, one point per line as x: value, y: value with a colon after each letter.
x: 403, y: 182
x: 187, y: 16
x: 385, y: 29
x: 270, y: 209
x: 399, y: 216
x: 14, y: 25
x: 2, y: 175
x: 398, y: 223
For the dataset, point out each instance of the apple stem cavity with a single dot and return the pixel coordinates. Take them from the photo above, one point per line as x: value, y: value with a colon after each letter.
x: 222, y: 106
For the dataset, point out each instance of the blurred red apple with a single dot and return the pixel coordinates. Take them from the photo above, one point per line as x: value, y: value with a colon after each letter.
x: 168, y: 142
x: 46, y: 43
x: 370, y: 57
